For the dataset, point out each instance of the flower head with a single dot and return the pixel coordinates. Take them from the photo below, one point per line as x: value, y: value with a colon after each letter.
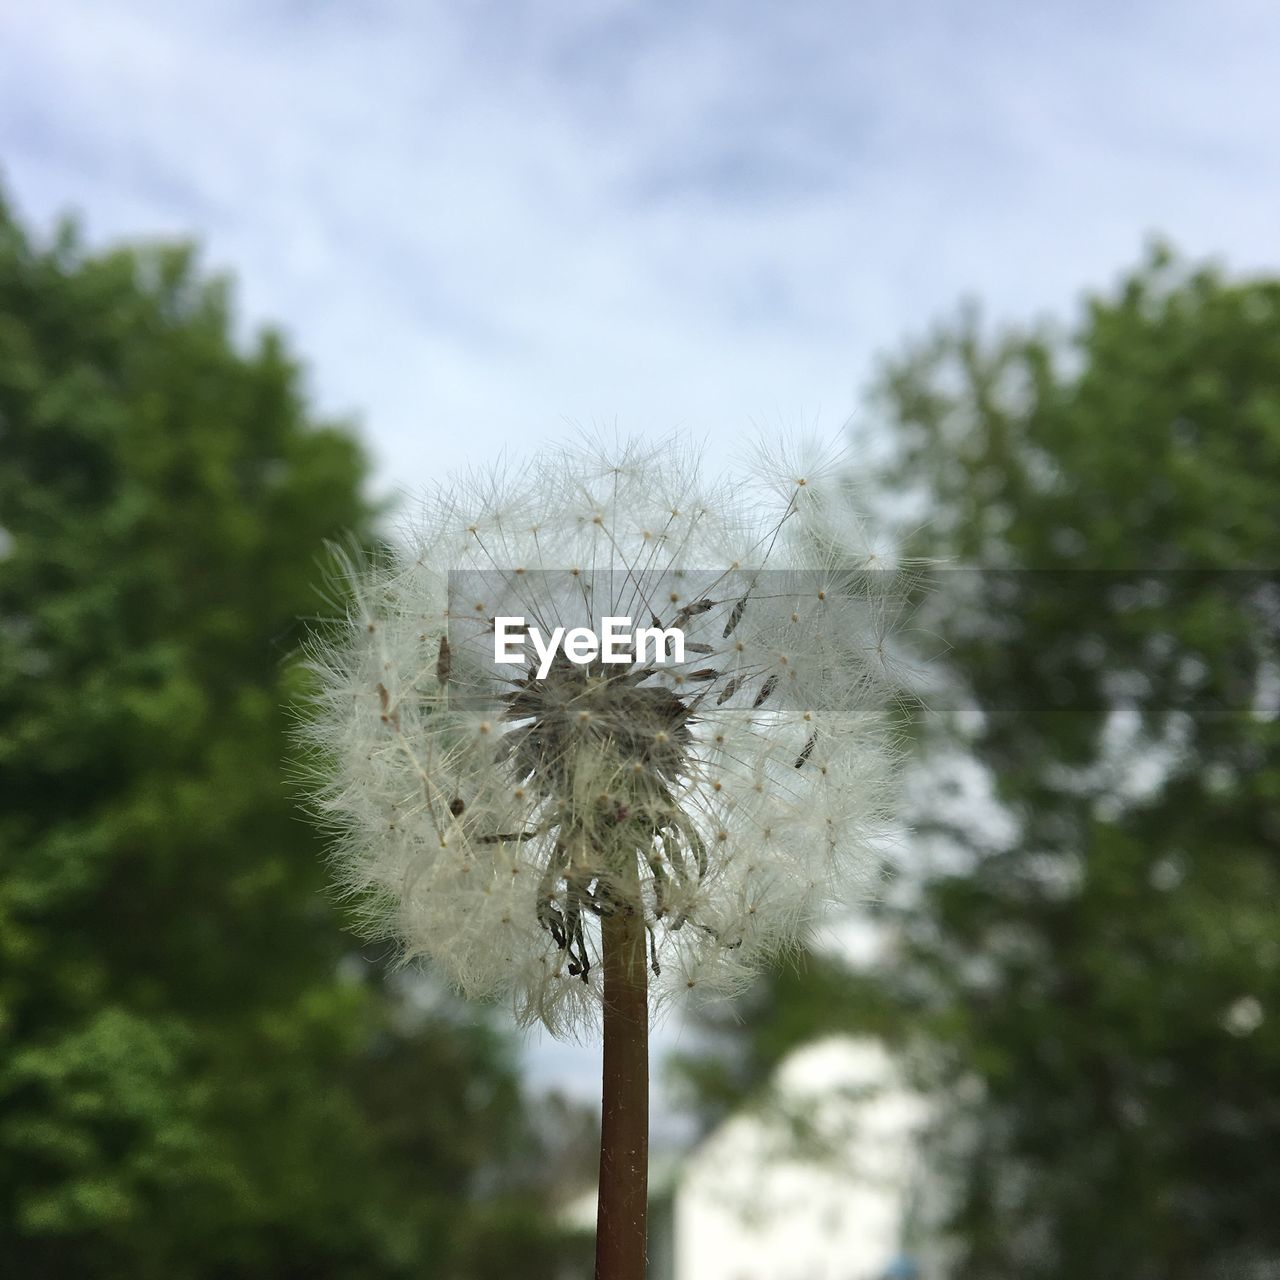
x: 604, y: 684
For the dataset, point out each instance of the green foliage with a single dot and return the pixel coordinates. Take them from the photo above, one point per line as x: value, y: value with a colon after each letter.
x: 198, y: 1074
x: 1096, y: 995
x: 1090, y: 988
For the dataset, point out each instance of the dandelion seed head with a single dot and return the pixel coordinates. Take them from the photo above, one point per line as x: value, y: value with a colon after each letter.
x: 488, y: 816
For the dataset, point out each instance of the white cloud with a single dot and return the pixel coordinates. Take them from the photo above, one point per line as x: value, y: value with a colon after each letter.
x: 479, y: 221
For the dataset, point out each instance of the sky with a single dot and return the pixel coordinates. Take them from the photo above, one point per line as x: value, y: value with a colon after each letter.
x: 483, y: 223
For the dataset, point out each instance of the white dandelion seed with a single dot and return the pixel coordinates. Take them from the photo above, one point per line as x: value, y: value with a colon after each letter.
x: 490, y: 817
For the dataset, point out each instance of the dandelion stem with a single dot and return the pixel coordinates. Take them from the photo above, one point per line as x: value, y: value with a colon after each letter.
x: 624, y: 1119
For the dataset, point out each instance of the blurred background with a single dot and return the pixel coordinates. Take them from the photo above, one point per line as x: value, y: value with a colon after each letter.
x: 267, y: 270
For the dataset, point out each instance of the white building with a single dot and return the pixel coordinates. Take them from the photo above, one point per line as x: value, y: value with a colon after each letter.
x: 816, y: 1187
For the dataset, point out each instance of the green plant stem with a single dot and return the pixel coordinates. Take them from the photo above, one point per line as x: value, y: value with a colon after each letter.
x: 624, y: 1117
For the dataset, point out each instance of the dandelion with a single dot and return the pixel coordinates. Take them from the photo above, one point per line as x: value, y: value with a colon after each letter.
x: 601, y: 733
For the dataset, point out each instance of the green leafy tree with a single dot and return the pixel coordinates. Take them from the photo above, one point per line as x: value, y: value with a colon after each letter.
x: 1098, y: 985
x: 199, y: 1074
x: 1083, y: 963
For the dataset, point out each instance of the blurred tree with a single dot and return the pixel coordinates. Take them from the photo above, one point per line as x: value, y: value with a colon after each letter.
x: 1087, y: 961
x: 199, y: 1074
x: 1099, y: 983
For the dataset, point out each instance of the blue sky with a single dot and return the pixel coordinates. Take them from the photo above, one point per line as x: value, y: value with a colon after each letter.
x: 482, y: 221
